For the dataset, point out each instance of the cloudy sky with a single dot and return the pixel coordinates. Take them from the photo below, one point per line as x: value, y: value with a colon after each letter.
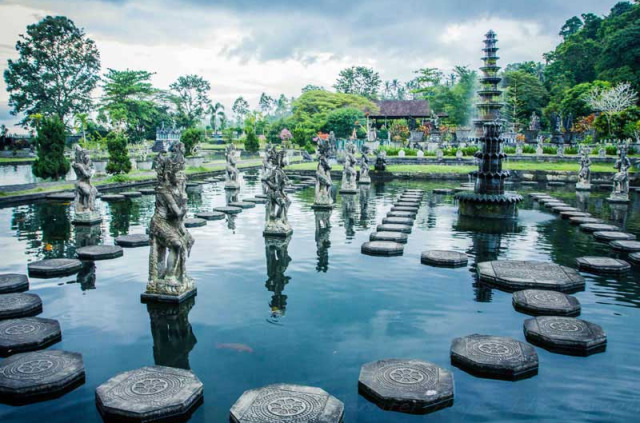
x: 246, y: 47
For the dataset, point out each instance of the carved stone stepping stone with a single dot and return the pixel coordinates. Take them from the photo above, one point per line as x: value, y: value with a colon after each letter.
x: 445, y: 258
x: 194, y: 222
x: 132, y: 194
x: 570, y: 214
x: 99, y: 252
x: 545, y: 303
x: 566, y: 335
x: 27, y: 334
x: 193, y: 184
x: 391, y: 227
x: 405, y: 204
x: 595, y: 227
x: 445, y: 191
x: 112, y: 197
x: 494, y: 357
x: 602, y: 265
x: 408, y: 386
x: 626, y: 245
x: 552, y: 204
x: 291, y: 190
x: 256, y: 200
x: 261, y: 196
x: 417, y: 197
x: 528, y: 183
x: 556, y: 183
x: 228, y: 210
x: 539, y: 195
x: 19, y: 305
x: 634, y: 258
x: 132, y: 240
x: 62, y: 196
x: 613, y: 236
x: 39, y: 375
x: 148, y: 191
x: 210, y: 215
x: 50, y: 268
x: 150, y: 394
x: 242, y: 204
x: 545, y: 200
x: 560, y: 209
x: 408, y: 214
x: 404, y: 208
x: 382, y: 248
x: 515, y: 275
x: 582, y: 220
x: 13, y: 282
x: 398, y: 220
x: 416, y: 190
x: 389, y: 236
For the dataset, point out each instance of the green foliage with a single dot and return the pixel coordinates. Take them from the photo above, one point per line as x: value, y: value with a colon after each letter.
x: 525, y: 94
x: 50, y: 162
x: 227, y: 135
x: 547, y: 149
x: 571, y: 151
x: 574, y: 100
x: 528, y: 149
x: 469, y: 151
x: 191, y: 138
x: 358, y: 80
x: 251, y: 143
x: 312, y: 108
x: 393, y: 151
x: 620, y: 125
x: 119, y: 161
x: 509, y: 150
x: 190, y: 94
x: 611, y: 150
x: 342, y: 121
x: 302, y: 135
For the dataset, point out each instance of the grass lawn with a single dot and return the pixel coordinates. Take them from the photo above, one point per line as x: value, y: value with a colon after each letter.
x: 16, y: 159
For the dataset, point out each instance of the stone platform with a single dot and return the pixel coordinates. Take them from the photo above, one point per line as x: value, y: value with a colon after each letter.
x: 51, y: 268
x: 545, y: 303
x: 382, y: 248
x: 17, y: 305
x: 565, y: 335
x: 27, y: 334
x: 445, y: 258
x: 389, y: 236
x: 602, y: 264
x: 13, y: 282
x: 99, y: 252
x: 515, y: 275
x: 132, y: 240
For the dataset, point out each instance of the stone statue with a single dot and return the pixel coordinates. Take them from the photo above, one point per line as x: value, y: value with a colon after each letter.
x: 539, y: 150
x: 620, y: 192
x: 364, y: 167
x: 278, y: 259
x: 323, y: 177
x: 232, y: 168
x: 556, y: 129
x: 435, y: 121
x: 86, y: 213
x: 534, y: 123
x: 349, y: 170
x: 332, y: 145
x: 170, y: 241
x: 584, y: 176
x: 277, y: 223
x: 381, y: 161
x: 266, y: 166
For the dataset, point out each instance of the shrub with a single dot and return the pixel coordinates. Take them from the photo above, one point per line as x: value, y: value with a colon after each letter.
x: 342, y: 121
x: 118, y: 155
x: 611, y: 150
x: 469, y: 151
x: 510, y: 150
x: 549, y: 150
x: 571, y: 151
x: 191, y: 138
x: 529, y: 149
x: 251, y: 142
x: 50, y: 162
x: 393, y: 151
x: 302, y: 135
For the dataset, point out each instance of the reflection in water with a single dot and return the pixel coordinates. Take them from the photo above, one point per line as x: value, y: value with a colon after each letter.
x: 173, y: 337
x: 582, y: 200
x: 618, y: 214
x: 231, y: 222
x: 88, y: 235
x: 278, y: 259
x: 194, y: 197
x: 123, y: 213
x: 323, y: 241
x: 348, y: 214
x: 46, y: 228
x: 87, y: 276
x: 364, y: 191
x: 231, y: 195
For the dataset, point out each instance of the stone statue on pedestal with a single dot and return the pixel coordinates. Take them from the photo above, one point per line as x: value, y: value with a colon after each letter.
x: 85, y: 210
x: 277, y: 223
x: 349, y: 170
x: 266, y: 166
x: 584, y: 176
x: 381, y: 161
x: 232, y: 168
x: 364, y: 167
x: 620, y: 192
x: 323, y: 198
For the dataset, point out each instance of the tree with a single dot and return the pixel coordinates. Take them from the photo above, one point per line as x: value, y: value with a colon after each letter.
x: 190, y: 94
x: 81, y: 123
x: 525, y: 95
x: 311, y: 87
x: 283, y: 106
x: 218, y: 116
x: 50, y: 162
x: 266, y: 103
x: 191, y: 137
x: 251, y: 143
x: 55, y: 73
x: 311, y: 109
x: 342, y: 121
x: 240, y: 108
x: 119, y: 161
x: 570, y: 27
x: 612, y: 100
x: 358, y: 80
x: 575, y: 99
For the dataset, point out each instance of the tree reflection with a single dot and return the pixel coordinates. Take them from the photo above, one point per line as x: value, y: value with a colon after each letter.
x: 46, y: 228
x: 123, y: 213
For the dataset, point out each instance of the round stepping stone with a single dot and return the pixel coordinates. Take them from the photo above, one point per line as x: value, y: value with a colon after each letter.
x: 528, y: 183
x: 398, y: 220
x: 132, y: 194
x: 516, y: 275
x: 391, y: 227
x: 445, y: 191
x: 552, y: 204
x: 194, y: 222
x: 13, y: 282
x: 210, y: 215
x: 62, y: 196
x: 444, y: 258
x: 132, y: 240
x: 148, y: 191
x: 494, y: 357
x: 409, y: 386
x: 112, y: 197
x: 149, y: 394
x: 404, y: 208
x: 634, y: 258
x: 560, y: 209
x: 382, y: 248
x: 228, y: 210
x: 570, y: 214
x: 583, y: 220
x: 283, y: 403
x: 545, y: 303
x: 99, y: 252
x: 556, y: 183
x: 256, y: 200
x: 19, y: 305
x: 612, y: 236
x: 242, y: 204
x: 30, y: 376
x: 27, y: 334
x: 261, y: 196
x: 403, y: 204
x: 50, y: 268
x: 602, y: 265
x: 565, y: 335
x: 408, y: 214
x: 595, y: 227
x: 626, y: 245
x: 389, y: 236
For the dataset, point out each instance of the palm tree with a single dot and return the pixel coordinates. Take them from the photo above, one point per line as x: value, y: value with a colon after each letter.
x: 217, y: 115
x: 395, y: 84
x: 387, y: 89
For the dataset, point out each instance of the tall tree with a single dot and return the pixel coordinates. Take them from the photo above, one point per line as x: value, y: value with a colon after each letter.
x: 240, y: 108
x: 525, y: 95
x: 358, y: 80
x: 217, y: 116
x: 266, y: 103
x: 55, y: 73
x: 191, y: 97
x: 311, y: 87
x: 283, y: 105
x: 50, y: 162
x: 570, y: 27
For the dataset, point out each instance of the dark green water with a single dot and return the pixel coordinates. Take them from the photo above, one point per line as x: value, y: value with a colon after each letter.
x: 318, y: 309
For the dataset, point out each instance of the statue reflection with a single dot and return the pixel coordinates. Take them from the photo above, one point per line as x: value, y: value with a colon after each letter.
x: 582, y: 200
x: 87, y: 235
x: 364, y: 193
x: 323, y: 241
x: 231, y: 196
x: 618, y: 214
x: 348, y: 214
x: 278, y: 259
x: 87, y: 276
x: 173, y: 337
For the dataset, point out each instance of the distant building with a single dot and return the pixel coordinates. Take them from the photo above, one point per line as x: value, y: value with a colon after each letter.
x: 165, y: 138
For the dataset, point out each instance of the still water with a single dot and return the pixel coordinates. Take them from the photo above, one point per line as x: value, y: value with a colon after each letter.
x: 312, y: 310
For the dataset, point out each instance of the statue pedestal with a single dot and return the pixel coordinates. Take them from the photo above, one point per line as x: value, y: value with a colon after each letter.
x: 277, y: 230
x: 162, y: 292
x: 618, y: 198
x: 583, y: 186
x: 322, y: 206
x: 366, y: 180
x: 503, y: 206
x: 231, y: 185
x: 87, y: 218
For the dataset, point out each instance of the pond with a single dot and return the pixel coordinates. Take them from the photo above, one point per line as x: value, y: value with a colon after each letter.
x: 17, y: 174
x: 313, y: 310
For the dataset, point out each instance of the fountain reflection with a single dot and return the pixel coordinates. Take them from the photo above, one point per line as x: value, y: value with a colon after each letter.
x: 173, y: 337
x: 582, y: 200
x: 323, y: 241
x: 348, y: 214
x: 278, y: 259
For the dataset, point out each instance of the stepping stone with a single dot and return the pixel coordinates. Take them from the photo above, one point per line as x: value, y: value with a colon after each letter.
x: 627, y: 246
x: 634, y: 258
x: 382, y: 248
x: 148, y: 191
x: 529, y: 183
x: 27, y: 334
x: 228, y: 210
x: 389, y: 236
x: 50, y: 268
x: 242, y: 204
x: 132, y: 240
x: 408, y: 386
x: 283, y: 403
x: 193, y: 184
x: 516, y: 275
x: 613, y: 236
x: 556, y: 183
x: 570, y: 214
x: 391, y: 227
x: 210, y: 215
x: 445, y: 191
x: 132, y: 194
x: 602, y: 265
x: 113, y: 197
x: 39, y: 375
x: 291, y: 190
x: 261, y: 196
x: 256, y: 200
x: 13, y: 282
x: 445, y: 258
x: 545, y: 303
x: 559, y: 209
x: 404, y: 208
x: 552, y: 204
x: 595, y: 227
x: 407, y: 214
x: 583, y: 220
x: 62, y: 196
x: 404, y: 204
x: 495, y: 357
x: 398, y: 220
x: 194, y: 222
x: 99, y: 252
x: 19, y: 305
x: 566, y: 335
x: 149, y: 394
